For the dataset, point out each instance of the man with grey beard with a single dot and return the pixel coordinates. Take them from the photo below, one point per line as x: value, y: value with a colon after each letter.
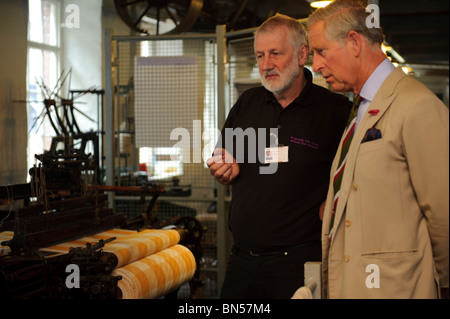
x: 274, y: 214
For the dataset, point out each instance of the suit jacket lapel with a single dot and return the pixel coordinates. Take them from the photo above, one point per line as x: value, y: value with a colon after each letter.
x: 381, y: 102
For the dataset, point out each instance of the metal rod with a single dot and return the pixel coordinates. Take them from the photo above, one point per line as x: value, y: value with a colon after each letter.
x: 109, y: 114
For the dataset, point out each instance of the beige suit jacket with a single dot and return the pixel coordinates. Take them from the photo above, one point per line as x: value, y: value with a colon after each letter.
x: 391, y: 230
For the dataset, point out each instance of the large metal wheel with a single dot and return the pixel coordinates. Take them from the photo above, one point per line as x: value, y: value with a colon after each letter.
x: 140, y: 15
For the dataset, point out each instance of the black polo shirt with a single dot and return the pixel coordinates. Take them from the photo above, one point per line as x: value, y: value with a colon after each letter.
x: 271, y: 211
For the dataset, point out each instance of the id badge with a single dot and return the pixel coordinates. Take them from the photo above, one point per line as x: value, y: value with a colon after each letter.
x: 276, y: 154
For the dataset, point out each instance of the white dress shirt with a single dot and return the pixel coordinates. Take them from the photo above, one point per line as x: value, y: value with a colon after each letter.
x: 371, y: 87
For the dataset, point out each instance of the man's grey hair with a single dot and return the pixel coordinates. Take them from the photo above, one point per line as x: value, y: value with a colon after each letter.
x: 296, y: 30
x: 343, y: 16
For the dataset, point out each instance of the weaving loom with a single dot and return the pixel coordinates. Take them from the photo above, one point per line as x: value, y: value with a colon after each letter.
x: 150, y: 263
x: 108, y: 256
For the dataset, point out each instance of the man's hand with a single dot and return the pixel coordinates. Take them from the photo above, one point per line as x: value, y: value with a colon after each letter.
x: 223, y: 166
x: 322, y: 210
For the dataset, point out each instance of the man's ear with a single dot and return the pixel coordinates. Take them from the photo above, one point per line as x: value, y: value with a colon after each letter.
x: 355, y: 40
x: 303, y: 54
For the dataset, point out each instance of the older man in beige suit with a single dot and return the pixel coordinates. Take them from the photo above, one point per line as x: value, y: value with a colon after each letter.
x: 385, y: 226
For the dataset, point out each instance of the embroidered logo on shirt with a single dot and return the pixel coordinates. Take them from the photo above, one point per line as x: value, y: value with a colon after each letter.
x: 304, y: 142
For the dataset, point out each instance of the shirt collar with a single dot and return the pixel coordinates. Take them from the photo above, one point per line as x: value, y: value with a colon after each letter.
x: 376, y: 79
x: 372, y: 86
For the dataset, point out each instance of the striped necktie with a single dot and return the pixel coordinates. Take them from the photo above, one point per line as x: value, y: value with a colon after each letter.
x: 348, y: 136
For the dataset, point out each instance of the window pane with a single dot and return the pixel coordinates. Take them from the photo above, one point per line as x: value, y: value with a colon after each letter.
x: 35, y: 30
x: 42, y: 74
x: 35, y: 67
x: 42, y: 22
x: 35, y: 105
x: 42, y: 77
x: 49, y: 63
x: 49, y: 22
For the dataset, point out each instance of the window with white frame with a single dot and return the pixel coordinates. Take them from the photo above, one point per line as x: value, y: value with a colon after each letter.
x: 42, y: 71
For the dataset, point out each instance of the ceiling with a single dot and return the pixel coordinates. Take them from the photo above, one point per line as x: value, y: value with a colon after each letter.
x: 416, y: 29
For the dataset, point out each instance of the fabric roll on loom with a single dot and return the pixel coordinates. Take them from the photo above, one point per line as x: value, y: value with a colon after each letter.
x: 129, y: 245
x: 156, y: 275
x: 5, y: 236
x: 150, y: 262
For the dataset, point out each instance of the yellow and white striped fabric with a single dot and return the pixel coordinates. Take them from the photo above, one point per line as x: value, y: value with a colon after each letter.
x: 4, y: 236
x: 151, y: 262
x: 129, y: 245
x: 156, y: 275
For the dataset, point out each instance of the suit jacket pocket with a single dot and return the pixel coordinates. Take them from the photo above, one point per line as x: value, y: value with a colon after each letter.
x: 390, y: 254
x: 372, y: 134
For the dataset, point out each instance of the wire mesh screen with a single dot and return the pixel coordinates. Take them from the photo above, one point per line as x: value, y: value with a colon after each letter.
x: 242, y: 68
x: 166, y: 120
